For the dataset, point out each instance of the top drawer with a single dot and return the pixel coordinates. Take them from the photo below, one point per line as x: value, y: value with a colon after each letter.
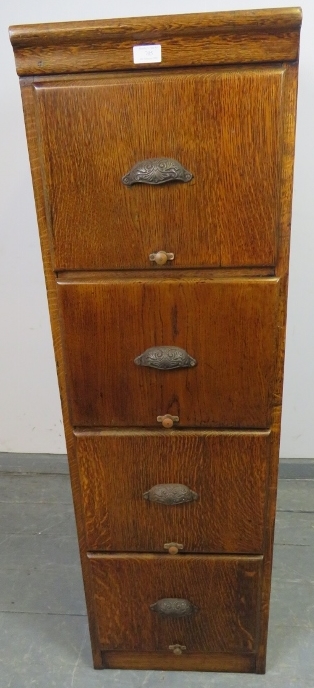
x: 223, y: 125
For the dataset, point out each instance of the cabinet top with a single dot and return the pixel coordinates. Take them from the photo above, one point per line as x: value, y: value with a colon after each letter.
x: 269, y: 35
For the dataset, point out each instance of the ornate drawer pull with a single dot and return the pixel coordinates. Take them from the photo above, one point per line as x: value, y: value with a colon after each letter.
x: 165, y: 358
x: 170, y: 494
x: 174, y: 606
x: 157, y: 171
x: 161, y: 257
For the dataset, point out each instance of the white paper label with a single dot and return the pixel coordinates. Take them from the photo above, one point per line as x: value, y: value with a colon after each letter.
x: 146, y: 53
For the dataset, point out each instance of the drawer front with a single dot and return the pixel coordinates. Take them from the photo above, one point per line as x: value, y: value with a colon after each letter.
x: 205, y: 492
x: 218, y: 608
x: 227, y: 326
x: 223, y: 125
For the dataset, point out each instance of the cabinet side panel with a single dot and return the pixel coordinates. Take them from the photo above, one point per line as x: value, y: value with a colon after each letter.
x: 34, y: 155
x: 289, y: 106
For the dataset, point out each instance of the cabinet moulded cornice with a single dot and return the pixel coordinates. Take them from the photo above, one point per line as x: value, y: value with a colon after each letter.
x: 195, y: 39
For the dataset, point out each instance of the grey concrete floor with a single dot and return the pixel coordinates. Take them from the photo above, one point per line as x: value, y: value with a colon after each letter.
x: 43, y: 629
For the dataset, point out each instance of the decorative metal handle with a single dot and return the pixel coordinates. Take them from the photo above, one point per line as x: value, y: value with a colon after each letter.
x: 161, y: 257
x: 167, y: 421
x: 157, y: 171
x: 170, y: 494
x: 174, y: 606
x: 165, y: 358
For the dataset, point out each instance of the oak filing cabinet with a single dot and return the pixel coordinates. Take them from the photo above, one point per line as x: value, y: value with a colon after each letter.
x: 162, y: 152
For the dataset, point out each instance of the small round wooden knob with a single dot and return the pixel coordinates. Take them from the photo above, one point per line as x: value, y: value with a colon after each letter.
x: 161, y: 258
x: 173, y: 549
x: 177, y: 649
x: 167, y: 423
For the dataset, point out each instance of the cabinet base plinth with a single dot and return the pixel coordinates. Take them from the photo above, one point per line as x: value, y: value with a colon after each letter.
x: 186, y: 662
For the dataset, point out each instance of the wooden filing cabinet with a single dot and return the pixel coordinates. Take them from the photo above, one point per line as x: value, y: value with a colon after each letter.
x: 163, y: 183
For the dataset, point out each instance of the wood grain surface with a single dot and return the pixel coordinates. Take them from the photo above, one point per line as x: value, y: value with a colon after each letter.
x: 34, y: 155
x: 228, y: 326
x: 227, y: 471
x: 225, y: 589
x: 227, y: 215
x: 194, y: 39
x: 223, y: 299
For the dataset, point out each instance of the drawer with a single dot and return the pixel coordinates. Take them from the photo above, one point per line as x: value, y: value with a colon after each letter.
x: 204, y: 491
x: 227, y: 326
x: 217, y: 611
x: 228, y: 135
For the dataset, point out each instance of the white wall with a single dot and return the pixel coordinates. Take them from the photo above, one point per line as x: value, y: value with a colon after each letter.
x: 30, y: 415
